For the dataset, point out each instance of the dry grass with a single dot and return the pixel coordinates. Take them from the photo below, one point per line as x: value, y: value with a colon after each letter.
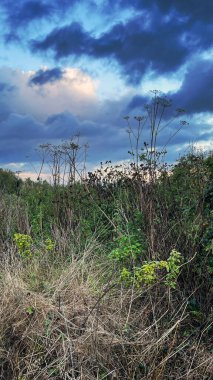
x: 79, y: 327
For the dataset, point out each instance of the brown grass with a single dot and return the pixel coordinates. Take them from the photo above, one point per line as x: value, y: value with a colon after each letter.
x: 78, y: 327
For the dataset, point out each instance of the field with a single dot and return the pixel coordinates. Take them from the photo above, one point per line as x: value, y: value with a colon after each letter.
x: 108, y: 275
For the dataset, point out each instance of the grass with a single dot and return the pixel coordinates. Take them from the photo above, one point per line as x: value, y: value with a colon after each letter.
x: 79, y: 326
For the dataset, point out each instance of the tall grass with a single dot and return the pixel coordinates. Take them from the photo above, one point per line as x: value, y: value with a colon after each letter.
x: 71, y: 304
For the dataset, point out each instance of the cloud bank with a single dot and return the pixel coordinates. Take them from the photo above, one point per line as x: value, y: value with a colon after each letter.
x: 73, y: 52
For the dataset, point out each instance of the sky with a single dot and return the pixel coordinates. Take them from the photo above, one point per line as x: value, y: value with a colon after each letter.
x: 69, y: 67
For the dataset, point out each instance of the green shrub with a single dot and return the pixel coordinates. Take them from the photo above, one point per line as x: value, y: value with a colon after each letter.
x: 148, y: 272
x: 24, y: 245
x: 27, y: 246
x: 128, y: 250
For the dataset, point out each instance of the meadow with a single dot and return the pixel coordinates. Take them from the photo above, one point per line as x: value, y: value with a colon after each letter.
x: 108, y: 274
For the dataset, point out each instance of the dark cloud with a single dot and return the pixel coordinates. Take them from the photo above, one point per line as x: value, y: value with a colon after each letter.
x: 30, y: 11
x: 106, y: 141
x: 192, y: 9
x: 26, y: 127
x: 4, y: 111
x: 62, y: 125
x: 20, y: 135
x: 67, y: 122
x: 21, y: 13
x: 21, y: 127
x: 196, y: 92
x: 163, y: 45
x: 133, y: 48
x: 7, y: 91
x: 71, y: 39
x: 12, y: 37
x: 160, y: 36
x: 46, y: 76
x: 6, y: 87
x: 136, y: 103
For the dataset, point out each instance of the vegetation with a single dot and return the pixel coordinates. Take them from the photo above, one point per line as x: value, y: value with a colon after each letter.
x: 109, y: 275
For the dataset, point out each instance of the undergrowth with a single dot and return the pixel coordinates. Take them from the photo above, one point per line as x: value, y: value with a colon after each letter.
x: 109, y: 275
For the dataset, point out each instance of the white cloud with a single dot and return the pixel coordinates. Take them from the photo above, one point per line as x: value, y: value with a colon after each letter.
x: 75, y: 92
x: 203, y: 145
x: 203, y: 117
x: 34, y: 177
x: 16, y: 165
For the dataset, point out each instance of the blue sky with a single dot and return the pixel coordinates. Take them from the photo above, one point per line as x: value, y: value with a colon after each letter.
x: 69, y: 66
